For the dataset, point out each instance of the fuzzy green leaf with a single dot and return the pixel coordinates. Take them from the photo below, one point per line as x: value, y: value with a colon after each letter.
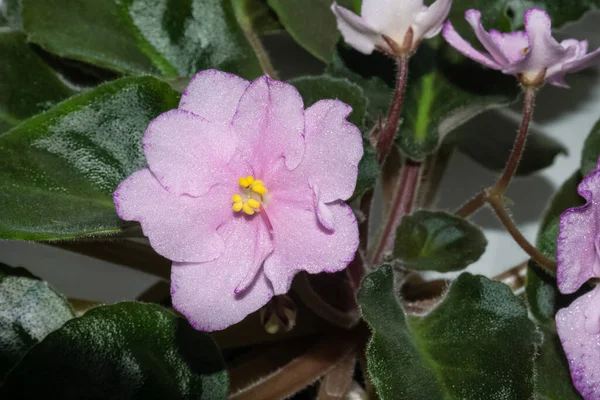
x: 121, y: 351
x: 438, y: 241
x: 58, y: 170
x: 478, y: 343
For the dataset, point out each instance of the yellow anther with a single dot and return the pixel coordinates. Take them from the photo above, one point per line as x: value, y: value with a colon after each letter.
x: 237, y: 198
x: 250, y: 179
x: 253, y: 203
x: 237, y: 207
x: 248, y: 210
x: 257, y: 182
x: 525, y: 50
x: 260, y: 189
x: 243, y: 182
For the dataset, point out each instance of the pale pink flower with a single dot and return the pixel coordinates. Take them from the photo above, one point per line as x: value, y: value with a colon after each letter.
x: 579, y: 261
x: 244, y: 188
x: 392, y: 19
x: 533, y: 55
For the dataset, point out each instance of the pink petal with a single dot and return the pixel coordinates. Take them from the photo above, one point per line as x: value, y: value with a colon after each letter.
x: 206, y: 292
x: 555, y: 75
x: 269, y: 124
x: 544, y: 51
x: 473, y: 17
x: 579, y: 232
x: 460, y: 44
x: 392, y: 17
x: 213, y: 95
x: 586, y: 61
x: 513, y: 44
x: 324, y: 213
x: 577, y: 327
x: 356, y: 31
x: 187, y: 153
x: 181, y: 228
x: 429, y: 22
x: 302, y: 244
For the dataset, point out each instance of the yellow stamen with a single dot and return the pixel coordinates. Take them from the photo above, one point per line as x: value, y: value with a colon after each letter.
x: 237, y: 207
x: 243, y: 182
x: 525, y: 50
x: 247, y: 209
x: 260, y: 189
x: 237, y: 198
x: 250, y: 179
x: 253, y: 203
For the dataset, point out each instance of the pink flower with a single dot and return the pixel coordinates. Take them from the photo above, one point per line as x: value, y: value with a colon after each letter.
x: 578, y: 261
x: 244, y: 188
x: 392, y: 19
x: 533, y: 55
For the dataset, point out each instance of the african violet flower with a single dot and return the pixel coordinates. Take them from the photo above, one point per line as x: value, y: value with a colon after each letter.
x: 533, y: 55
x: 405, y: 22
x: 578, y: 256
x: 244, y: 188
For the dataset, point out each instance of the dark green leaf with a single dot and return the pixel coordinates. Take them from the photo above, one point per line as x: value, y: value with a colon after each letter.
x: 315, y: 88
x: 553, y: 377
x: 492, y: 149
x: 311, y: 23
x: 11, y: 12
x: 167, y: 37
x: 441, y: 95
x: 591, y: 151
x: 27, y: 84
x: 256, y: 15
x: 541, y: 292
x: 58, y: 170
x: 438, y: 241
x: 121, y: 351
x: 30, y: 310
x: 478, y: 343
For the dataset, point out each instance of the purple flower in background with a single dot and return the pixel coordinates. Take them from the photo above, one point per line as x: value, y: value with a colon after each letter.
x: 578, y: 261
x: 532, y: 55
x: 244, y: 188
x: 391, y: 26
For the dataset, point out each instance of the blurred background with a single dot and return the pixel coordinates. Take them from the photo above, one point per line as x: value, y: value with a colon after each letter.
x: 566, y: 115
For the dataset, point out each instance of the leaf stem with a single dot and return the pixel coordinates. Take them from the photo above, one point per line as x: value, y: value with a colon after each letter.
x: 401, y: 206
x: 386, y: 136
x: 497, y: 204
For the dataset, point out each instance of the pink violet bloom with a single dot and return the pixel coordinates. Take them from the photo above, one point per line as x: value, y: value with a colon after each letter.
x: 244, y: 188
x: 578, y: 257
x: 405, y: 22
x: 532, y: 55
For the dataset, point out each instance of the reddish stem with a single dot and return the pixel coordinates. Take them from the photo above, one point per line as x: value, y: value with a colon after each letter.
x: 401, y: 206
x: 386, y: 136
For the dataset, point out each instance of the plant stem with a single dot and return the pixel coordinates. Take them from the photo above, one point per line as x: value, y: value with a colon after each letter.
x: 497, y: 205
x: 402, y: 205
x: 386, y: 136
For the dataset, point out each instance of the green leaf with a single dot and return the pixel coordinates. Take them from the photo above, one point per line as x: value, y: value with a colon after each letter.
x: 11, y: 12
x: 315, y: 88
x: 311, y: 23
x: 441, y: 95
x: 591, y: 151
x: 476, y: 344
x: 543, y: 297
x: 27, y: 84
x: 553, y: 376
x: 58, y: 170
x: 438, y: 241
x: 168, y: 37
x: 493, y: 151
x: 30, y: 310
x: 122, y: 351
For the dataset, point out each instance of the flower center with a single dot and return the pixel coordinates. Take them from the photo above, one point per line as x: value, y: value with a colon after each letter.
x: 252, y: 196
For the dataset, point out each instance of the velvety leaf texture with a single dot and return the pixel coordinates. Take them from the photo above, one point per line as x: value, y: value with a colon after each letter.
x: 27, y: 84
x: 167, y: 37
x: 58, y: 170
x: 478, y: 343
x: 316, y: 88
x: 122, y: 351
x: 30, y: 310
x: 438, y: 241
x: 591, y: 151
